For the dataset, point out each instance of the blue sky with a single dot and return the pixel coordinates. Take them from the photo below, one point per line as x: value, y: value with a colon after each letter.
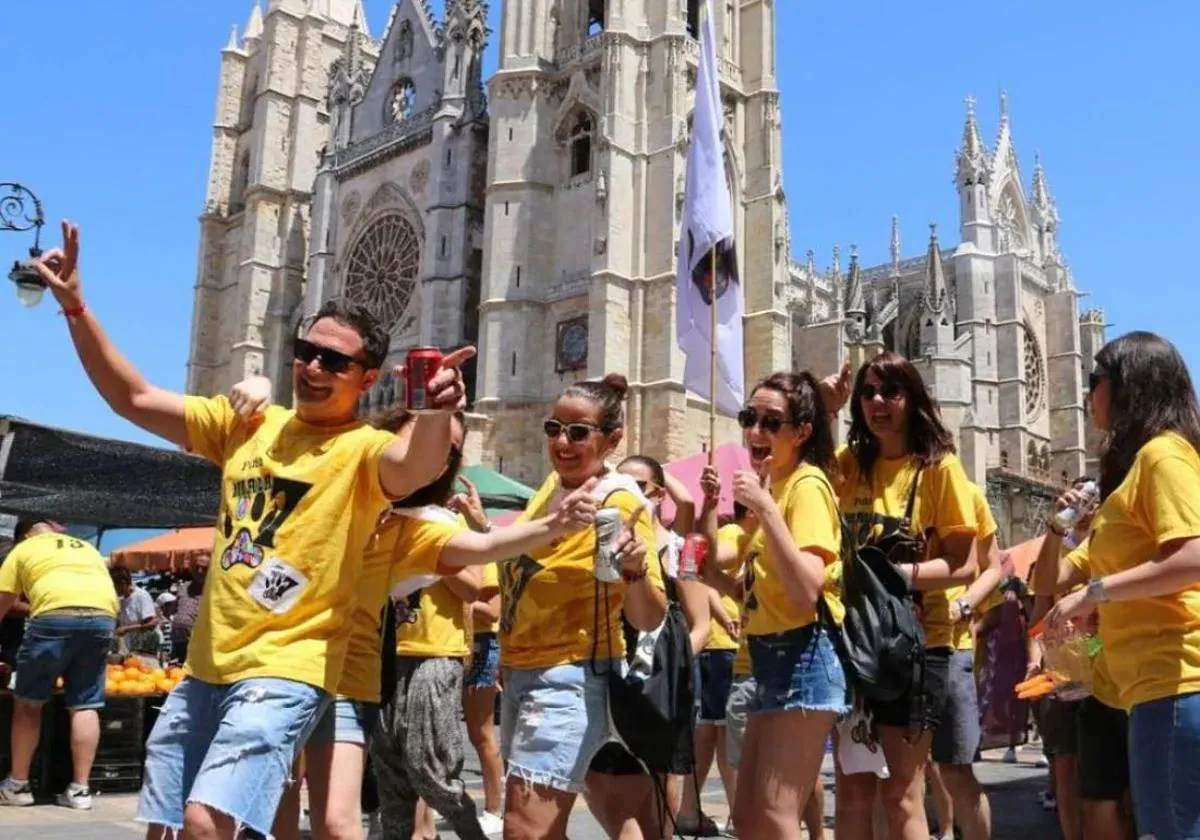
x: 109, y: 121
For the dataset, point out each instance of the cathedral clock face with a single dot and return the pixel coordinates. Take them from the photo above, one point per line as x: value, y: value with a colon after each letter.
x: 572, y: 345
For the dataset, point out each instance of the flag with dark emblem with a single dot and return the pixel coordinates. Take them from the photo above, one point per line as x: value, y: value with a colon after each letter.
x: 706, y: 242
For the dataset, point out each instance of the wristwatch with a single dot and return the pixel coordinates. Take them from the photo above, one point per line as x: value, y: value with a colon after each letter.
x: 964, y: 609
x: 1096, y: 593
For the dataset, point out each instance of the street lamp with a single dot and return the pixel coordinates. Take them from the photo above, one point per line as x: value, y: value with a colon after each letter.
x: 21, y: 210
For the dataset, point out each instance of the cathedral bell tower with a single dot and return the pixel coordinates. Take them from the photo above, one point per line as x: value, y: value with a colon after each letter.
x: 590, y: 110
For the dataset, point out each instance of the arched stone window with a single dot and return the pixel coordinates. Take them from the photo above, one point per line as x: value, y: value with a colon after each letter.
x: 1035, y: 373
x: 402, y: 100
x: 579, y: 144
x: 384, y: 266
x: 249, y: 96
x: 241, y: 180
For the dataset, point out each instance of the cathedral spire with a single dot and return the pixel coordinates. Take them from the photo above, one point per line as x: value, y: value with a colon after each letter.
x: 895, y: 245
x: 1041, y: 193
x: 973, y: 164
x: 232, y: 46
x: 856, y: 302
x: 933, y: 298
x: 254, y: 27
x: 810, y: 263
x: 358, y: 19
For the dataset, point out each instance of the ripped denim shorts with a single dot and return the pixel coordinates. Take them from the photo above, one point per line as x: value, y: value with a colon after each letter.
x: 230, y: 747
x: 553, y: 721
x: 798, y: 670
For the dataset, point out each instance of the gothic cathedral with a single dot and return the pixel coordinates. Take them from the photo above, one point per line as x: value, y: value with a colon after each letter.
x: 537, y: 217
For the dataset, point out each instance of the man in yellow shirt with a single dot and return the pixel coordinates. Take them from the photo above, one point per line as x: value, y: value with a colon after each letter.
x: 301, y: 493
x: 72, y: 608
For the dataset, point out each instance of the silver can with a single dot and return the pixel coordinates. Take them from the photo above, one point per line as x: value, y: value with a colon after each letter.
x: 608, y: 530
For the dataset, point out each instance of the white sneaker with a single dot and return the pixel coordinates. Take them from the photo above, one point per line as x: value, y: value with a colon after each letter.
x: 491, y: 823
x: 1010, y: 756
x: 15, y: 793
x: 77, y: 797
x: 1041, y: 761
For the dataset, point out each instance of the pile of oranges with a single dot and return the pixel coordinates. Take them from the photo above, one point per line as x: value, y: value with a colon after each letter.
x: 133, y: 679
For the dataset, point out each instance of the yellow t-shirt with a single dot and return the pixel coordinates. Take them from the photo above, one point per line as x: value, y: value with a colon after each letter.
x: 401, y: 547
x: 298, y: 506
x: 548, y: 598
x: 58, y: 572
x: 437, y: 624
x: 489, y: 579
x: 805, y: 498
x: 719, y: 638
x: 1151, y: 645
x: 963, y: 638
x: 943, y: 507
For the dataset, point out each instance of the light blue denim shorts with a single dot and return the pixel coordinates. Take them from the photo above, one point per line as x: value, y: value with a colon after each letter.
x: 230, y: 747
x: 553, y: 721
x: 345, y: 721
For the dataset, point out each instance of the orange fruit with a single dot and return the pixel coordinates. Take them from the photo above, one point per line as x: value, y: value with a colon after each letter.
x: 133, y: 662
x: 128, y: 687
x: 58, y: 683
x: 158, y: 673
x: 112, y: 687
x: 175, y: 673
x: 164, y: 685
x: 133, y: 673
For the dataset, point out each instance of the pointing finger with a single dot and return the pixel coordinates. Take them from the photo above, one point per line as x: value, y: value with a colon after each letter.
x: 466, y: 482
x: 456, y: 358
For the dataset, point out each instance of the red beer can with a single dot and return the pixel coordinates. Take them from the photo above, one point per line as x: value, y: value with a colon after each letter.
x: 420, y: 366
x: 693, y: 555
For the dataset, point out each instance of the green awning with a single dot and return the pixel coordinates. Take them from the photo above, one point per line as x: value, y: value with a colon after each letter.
x: 499, y: 493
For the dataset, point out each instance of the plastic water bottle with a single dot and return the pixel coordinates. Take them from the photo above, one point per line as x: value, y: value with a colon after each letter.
x: 1067, y: 517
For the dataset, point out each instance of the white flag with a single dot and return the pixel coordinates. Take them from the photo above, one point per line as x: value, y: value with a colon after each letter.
x: 707, y: 229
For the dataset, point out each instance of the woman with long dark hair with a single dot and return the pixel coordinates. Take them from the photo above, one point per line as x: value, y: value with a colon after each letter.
x: 800, y: 684
x: 560, y: 624
x: 1140, y: 570
x: 899, y: 454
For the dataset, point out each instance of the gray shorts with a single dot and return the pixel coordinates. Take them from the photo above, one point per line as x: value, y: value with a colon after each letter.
x: 958, y: 735
x: 741, y: 696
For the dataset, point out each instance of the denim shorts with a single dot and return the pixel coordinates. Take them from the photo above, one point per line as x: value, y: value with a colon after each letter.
x: 485, y: 662
x: 716, y: 678
x: 741, y: 698
x: 798, y: 670
x: 230, y: 747
x: 1164, y: 767
x: 74, y: 647
x: 346, y: 721
x: 553, y: 721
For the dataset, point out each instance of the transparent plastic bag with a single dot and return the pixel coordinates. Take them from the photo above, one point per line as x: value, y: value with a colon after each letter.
x: 1068, y: 656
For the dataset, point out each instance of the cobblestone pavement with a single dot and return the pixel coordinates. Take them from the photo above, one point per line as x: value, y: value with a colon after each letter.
x: 1013, y: 789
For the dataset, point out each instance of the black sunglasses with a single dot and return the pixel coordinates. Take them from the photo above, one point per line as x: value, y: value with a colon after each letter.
x: 1095, y: 378
x: 888, y: 390
x: 748, y: 418
x: 332, y: 361
x: 576, y: 432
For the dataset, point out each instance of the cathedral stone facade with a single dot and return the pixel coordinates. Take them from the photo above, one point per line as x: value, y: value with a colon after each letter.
x: 538, y: 218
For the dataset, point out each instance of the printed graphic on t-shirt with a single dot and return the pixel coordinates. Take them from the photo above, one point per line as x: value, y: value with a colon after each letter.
x: 261, y: 504
x: 515, y: 575
x: 278, y: 586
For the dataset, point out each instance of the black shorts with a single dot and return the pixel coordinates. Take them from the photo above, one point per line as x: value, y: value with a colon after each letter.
x: 1103, y: 751
x: 716, y: 678
x: 1058, y: 723
x: 614, y: 760
x: 908, y: 712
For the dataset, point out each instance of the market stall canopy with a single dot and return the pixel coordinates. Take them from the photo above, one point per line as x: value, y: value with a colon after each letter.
x: 500, y: 494
x: 78, y: 478
x: 173, y: 551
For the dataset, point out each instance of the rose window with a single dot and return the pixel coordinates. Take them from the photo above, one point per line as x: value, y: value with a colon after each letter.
x: 1035, y: 375
x: 383, y: 267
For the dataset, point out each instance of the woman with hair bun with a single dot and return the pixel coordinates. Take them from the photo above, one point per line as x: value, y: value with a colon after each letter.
x: 560, y: 626
x: 801, y: 687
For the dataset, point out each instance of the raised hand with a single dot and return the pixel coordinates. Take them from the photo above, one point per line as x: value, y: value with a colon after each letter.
x: 251, y: 396
x: 752, y: 489
x: 59, y: 269
x: 578, y: 510
x: 836, y: 389
x: 469, y: 505
x: 447, y: 391
x: 710, y: 484
x: 630, y: 547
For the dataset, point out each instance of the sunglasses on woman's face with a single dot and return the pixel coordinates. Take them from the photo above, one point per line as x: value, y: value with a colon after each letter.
x: 575, y: 432
x: 888, y: 390
x: 332, y: 361
x: 1095, y: 378
x: 647, y: 487
x: 748, y: 418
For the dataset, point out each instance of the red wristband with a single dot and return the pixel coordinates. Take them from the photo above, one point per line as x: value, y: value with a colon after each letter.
x: 75, y: 311
x: 632, y: 577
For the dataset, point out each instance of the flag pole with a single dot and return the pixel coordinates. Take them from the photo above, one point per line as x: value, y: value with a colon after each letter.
x: 712, y: 356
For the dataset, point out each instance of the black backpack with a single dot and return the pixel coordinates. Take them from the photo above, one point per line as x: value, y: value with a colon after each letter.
x: 655, y: 715
x: 882, y: 641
